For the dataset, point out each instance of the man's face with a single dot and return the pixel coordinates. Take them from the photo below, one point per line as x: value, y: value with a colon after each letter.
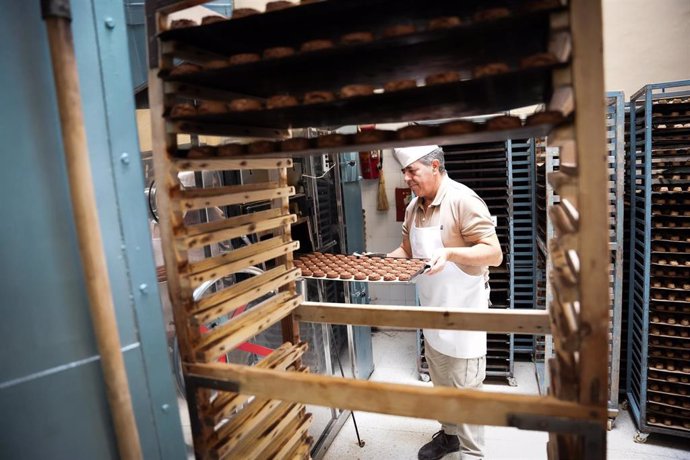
x: 420, y: 178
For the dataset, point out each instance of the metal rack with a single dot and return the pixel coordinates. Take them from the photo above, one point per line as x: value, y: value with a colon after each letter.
x: 658, y: 375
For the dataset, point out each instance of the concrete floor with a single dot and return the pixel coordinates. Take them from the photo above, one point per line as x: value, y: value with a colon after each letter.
x: 399, y: 438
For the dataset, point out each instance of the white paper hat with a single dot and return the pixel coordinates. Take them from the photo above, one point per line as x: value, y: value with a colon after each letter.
x: 408, y: 155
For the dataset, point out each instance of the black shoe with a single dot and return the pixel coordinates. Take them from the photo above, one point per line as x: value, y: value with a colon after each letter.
x: 440, y: 445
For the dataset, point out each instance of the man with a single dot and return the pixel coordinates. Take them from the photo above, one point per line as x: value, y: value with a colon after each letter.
x: 451, y: 226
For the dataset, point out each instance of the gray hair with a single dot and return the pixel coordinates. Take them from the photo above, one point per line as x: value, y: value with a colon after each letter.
x: 436, y: 154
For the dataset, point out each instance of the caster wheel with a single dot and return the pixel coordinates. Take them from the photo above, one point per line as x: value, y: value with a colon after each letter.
x: 609, y: 424
x: 624, y: 405
x: 424, y: 377
x: 640, y: 438
x: 512, y: 382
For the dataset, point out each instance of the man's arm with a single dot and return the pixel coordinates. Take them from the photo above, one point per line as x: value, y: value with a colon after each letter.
x: 486, y: 251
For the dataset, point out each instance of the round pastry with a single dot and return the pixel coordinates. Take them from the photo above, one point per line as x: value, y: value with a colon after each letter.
x: 216, y: 64
x: 244, y: 12
x: 281, y: 100
x: 404, y: 277
x: 244, y: 104
x: 228, y: 150
x: 493, y: 68
x: 359, y: 276
x: 443, y: 77
x: 243, y: 58
x: 491, y: 14
x: 414, y: 132
x: 298, y: 262
x: 374, y: 277
x: 445, y: 22
x: 357, y: 37
x: 183, y: 110
x: 306, y: 272
x: 331, y: 140
x: 503, y: 122
x: 319, y: 274
x: 332, y: 275
x: 206, y: 107
x: 315, y: 45
x: 551, y: 117
x: 294, y: 144
x: 345, y: 275
x: 398, y: 30
x: 211, y: 18
x: 278, y: 5
x: 182, y: 23
x: 185, y: 69
x: 356, y: 90
x: 261, y: 147
x: 389, y: 277
x: 371, y: 136
x: 538, y: 60
x: 316, y: 97
x: 458, y: 127
x: 201, y: 151
x: 278, y: 52
x: 399, y: 85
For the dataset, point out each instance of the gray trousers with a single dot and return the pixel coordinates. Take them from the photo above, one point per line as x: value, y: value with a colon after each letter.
x: 447, y: 371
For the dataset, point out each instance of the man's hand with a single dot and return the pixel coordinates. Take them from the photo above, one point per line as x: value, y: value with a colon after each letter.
x: 438, y: 261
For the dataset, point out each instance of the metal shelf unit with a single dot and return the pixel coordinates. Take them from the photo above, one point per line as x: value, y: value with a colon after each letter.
x: 658, y: 374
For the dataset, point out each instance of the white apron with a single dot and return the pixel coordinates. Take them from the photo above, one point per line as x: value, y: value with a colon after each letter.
x: 450, y: 288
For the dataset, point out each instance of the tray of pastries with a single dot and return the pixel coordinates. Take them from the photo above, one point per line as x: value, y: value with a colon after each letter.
x: 341, y: 267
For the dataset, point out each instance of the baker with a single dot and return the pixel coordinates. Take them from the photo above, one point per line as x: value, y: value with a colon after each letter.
x: 450, y: 225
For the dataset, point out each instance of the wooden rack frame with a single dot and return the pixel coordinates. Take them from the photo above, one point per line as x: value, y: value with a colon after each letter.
x: 258, y: 411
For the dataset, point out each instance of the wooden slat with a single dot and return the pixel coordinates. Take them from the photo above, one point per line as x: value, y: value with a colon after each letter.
x: 232, y: 304
x: 236, y: 289
x: 234, y: 232
x: 235, y: 221
x: 224, y: 164
x: 243, y: 424
x: 222, y: 129
x: 525, y: 322
x: 452, y: 405
x: 235, y: 255
x: 238, y: 330
x: 290, y: 440
x: 221, y: 196
x: 233, y: 267
x: 302, y: 452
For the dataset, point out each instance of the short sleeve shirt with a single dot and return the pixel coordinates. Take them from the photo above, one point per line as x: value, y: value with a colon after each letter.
x: 462, y: 215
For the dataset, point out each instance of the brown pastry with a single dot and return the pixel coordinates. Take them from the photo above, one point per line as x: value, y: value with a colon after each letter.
x: 503, y: 122
x: 243, y: 58
x: 216, y: 64
x: 319, y: 274
x: 493, y: 68
x: 332, y: 275
x: 183, y: 110
x: 458, y: 127
x: 357, y: 37
x: 261, y: 147
x: 399, y: 30
x: 399, y: 85
x: 278, y: 5
x: 182, y: 23
x: 294, y: 144
x: 345, y: 275
x: 389, y: 277
x: 491, y: 14
x: 306, y: 272
x: 371, y: 136
x: 404, y: 277
x: 185, y: 69
x: 445, y: 22
x: 315, y: 45
x: 211, y: 18
x: 244, y: 12
x: 316, y: 97
x: 356, y: 90
x: 281, y: 100
x: 444, y: 77
x: 551, y: 117
x: 243, y: 105
x: 538, y: 60
x: 228, y: 150
x: 414, y: 132
x: 212, y: 107
x: 374, y: 277
x: 360, y: 276
x: 278, y: 52
x: 201, y: 151
x: 331, y: 140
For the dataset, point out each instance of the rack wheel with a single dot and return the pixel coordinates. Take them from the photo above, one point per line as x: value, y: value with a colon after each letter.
x: 512, y: 382
x: 640, y: 437
x: 624, y: 405
x: 424, y: 377
x: 610, y: 423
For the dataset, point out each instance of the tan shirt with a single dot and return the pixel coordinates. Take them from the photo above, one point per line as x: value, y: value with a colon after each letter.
x: 463, y: 216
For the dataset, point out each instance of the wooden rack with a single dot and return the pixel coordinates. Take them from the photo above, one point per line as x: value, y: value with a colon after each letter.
x: 258, y: 411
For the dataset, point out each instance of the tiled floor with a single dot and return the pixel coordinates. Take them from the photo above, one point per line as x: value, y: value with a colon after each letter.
x: 399, y: 438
